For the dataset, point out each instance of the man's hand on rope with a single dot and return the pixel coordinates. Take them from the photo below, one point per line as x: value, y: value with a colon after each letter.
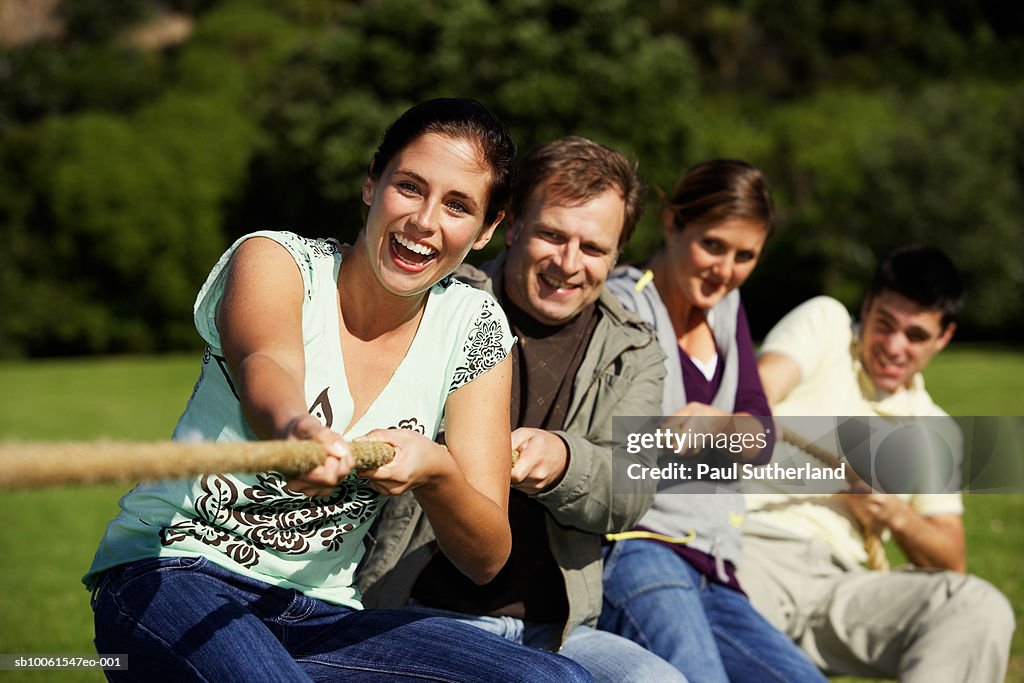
x: 877, y: 511
x: 542, y: 461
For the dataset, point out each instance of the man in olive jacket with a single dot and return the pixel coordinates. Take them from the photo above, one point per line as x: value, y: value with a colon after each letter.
x: 580, y: 361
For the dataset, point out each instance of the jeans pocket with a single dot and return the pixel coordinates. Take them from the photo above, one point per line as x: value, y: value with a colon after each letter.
x: 635, y: 567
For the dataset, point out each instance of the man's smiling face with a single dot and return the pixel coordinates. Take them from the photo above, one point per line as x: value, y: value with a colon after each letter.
x: 899, y: 337
x: 559, y: 255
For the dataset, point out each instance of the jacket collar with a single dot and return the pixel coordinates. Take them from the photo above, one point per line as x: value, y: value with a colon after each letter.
x: 490, y: 277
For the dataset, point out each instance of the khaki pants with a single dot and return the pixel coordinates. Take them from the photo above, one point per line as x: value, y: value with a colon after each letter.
x: 910, y: 624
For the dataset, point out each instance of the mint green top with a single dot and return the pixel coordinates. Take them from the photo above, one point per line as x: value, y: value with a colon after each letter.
x: 251, y: 524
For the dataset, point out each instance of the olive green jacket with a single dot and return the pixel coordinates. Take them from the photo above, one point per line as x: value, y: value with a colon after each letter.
x: 621, y: 374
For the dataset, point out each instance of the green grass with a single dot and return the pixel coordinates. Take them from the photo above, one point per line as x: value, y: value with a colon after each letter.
x: 48, y: 536
x: 119, y: 398
x: 48, y: 539
x: 978, y: 380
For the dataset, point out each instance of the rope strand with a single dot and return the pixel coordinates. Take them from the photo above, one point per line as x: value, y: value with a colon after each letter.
x: 37, y: 464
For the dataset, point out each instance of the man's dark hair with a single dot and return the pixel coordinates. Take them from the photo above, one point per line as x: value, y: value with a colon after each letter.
x: 923, y: 274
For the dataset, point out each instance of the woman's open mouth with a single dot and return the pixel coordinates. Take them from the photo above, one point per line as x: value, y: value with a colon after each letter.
x: 409, y: 254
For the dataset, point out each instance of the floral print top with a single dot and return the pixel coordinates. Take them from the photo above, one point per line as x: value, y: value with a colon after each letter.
x: 253, y: 524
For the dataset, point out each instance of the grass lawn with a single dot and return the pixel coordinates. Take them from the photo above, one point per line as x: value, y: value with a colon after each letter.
x: 978, y: 380
x: 44, y: 608
x: 49, y: 535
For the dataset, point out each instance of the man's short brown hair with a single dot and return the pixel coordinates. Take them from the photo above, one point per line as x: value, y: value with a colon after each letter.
x: 574, y: 170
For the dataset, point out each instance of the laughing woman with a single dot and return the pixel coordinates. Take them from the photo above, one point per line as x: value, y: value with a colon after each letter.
x: 250, y: 577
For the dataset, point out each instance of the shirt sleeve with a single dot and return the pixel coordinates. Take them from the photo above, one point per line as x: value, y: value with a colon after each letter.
x: 487, y: 342
x: 804, y: 333
x: 929, y: 504
x: 205, y: 309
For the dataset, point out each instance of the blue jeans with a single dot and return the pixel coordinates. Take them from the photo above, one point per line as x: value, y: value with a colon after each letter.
x: 708, y: 631
x: 186, y: 619
x: 608, y: 657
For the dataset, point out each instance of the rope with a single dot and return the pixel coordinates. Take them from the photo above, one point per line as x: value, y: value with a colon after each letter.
x: 873, y: 545
x: 37, y: 464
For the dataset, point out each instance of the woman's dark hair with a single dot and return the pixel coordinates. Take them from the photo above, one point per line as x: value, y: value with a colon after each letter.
x: 719, y: 189
x: 458, y: 119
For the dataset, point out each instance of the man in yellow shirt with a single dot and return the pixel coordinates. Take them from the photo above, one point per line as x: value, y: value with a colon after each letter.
x: 803, y: 554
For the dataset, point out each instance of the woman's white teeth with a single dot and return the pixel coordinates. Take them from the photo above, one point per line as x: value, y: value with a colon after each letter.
x: 421, y: 249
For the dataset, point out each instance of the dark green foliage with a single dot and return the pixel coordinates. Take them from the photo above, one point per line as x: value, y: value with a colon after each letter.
x: 548, y: 69
x: 762, y: 48
x: 114, y: 218
x: 124, y: 173
x: 100, y: 20
x: 125, y: 225
x: 860, y: 173
x: 39, y: 81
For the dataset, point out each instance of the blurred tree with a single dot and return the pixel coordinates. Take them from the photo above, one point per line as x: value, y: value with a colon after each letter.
x: 770, y: 49
x: 124, y: 172
x: 860, y: 173
x: 548, y: 68
x: 115, y: 219
x: 97, y: 21
x: 955, y: 178
x: 45, y: 80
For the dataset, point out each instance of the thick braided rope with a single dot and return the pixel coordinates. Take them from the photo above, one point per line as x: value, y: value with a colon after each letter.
x: 873, y: 545
x: 37, y: 464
